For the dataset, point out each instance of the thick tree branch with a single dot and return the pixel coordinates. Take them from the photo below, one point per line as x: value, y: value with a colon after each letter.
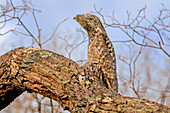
x: 77, y: 88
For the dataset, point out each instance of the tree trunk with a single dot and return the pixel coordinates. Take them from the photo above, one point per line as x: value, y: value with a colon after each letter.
x: 77, y: 88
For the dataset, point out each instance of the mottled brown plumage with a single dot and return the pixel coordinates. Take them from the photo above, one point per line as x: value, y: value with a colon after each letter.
x: 100, y: 49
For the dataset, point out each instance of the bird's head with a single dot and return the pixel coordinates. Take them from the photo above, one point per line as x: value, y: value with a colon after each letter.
x: 88, y: 21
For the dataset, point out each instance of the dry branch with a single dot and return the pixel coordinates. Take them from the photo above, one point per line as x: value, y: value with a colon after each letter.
x: 77, y: 88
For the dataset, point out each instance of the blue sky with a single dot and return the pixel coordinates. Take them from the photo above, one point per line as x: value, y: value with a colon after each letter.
x: 54, y: 11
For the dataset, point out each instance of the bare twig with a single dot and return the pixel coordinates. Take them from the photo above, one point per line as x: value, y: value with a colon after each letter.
x: 54, y: 31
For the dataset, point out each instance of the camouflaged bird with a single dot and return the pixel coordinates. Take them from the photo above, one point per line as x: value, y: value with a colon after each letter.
x: 100, y: 49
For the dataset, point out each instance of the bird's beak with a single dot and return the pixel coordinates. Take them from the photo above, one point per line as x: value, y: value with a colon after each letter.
x: 75, y: 18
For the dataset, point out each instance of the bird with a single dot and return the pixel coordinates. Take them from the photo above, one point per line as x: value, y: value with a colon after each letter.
x: 100, y: 49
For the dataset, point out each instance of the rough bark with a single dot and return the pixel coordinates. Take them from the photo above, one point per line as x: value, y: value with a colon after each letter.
x: 77, y: 88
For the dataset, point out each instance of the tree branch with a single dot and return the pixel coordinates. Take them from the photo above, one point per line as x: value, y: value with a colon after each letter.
x: 77, y: 88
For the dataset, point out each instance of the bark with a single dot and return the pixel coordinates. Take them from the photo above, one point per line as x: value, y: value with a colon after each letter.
x: 77, y: 88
